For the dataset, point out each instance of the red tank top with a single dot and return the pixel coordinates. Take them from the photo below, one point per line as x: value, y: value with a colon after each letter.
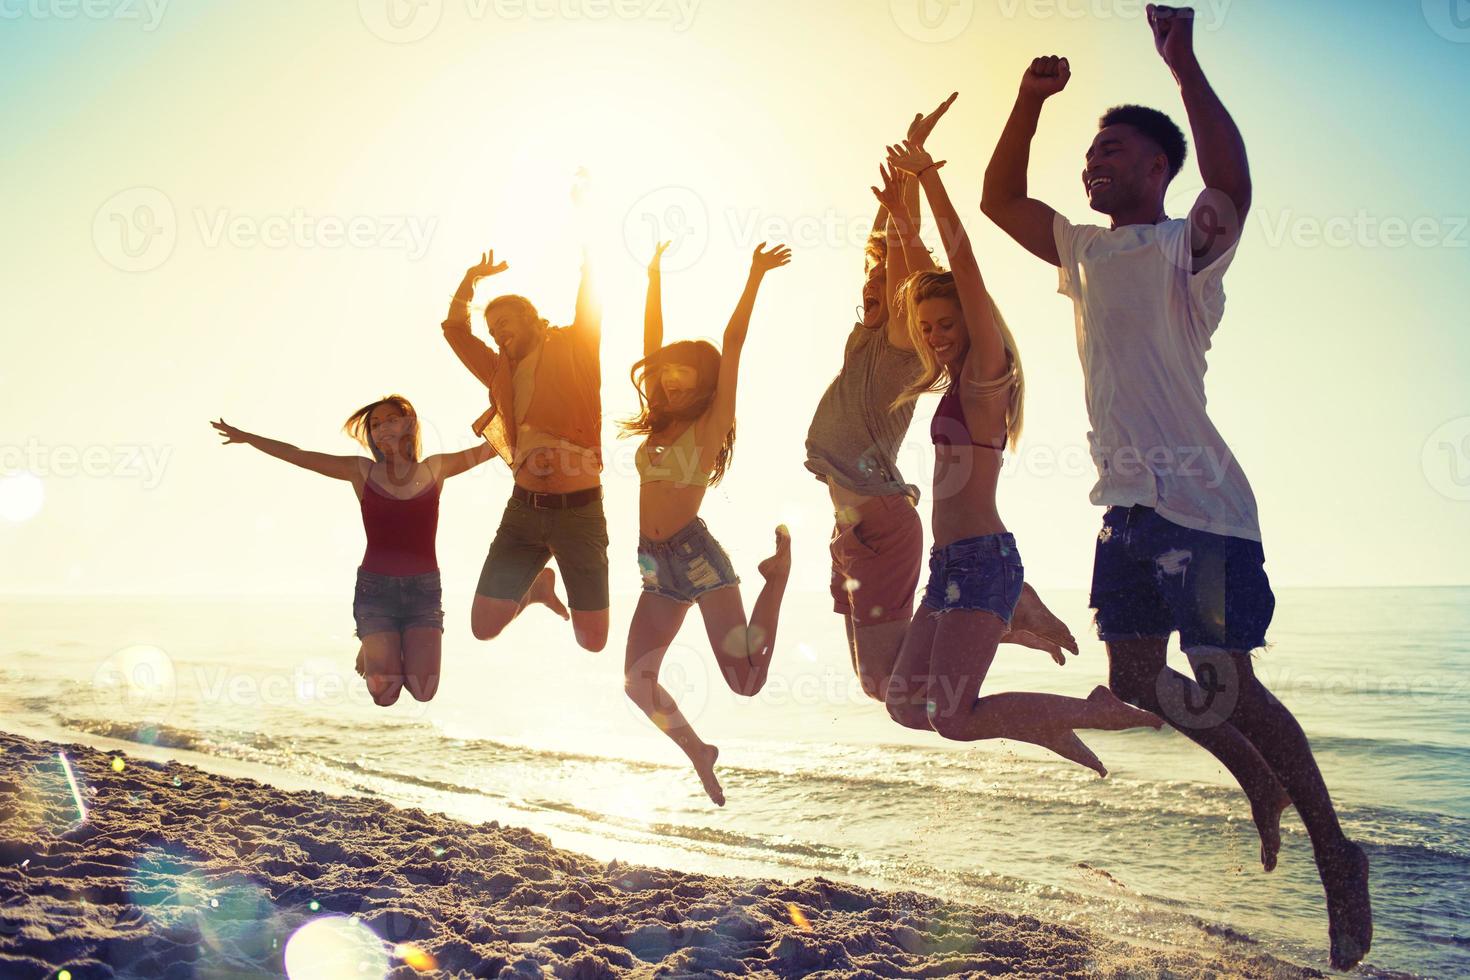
x: 400, y: 533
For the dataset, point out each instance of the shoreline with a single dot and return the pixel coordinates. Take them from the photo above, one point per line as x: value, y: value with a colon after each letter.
x: 178, y: 871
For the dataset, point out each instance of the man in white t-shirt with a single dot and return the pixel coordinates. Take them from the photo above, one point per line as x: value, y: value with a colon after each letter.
x: 1180, y: 546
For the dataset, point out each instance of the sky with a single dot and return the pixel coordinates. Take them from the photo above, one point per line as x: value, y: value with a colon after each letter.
x: 260, y: 212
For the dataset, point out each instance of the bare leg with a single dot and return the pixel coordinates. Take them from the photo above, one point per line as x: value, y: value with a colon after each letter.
x: 489, y: 616
x: 875, y: 654
x: 744, y: 650
x: 907, y: 690
x: 964, y: 647
x: 656, y: 622
x: 422, y: 652
x: 1138, y: 670
x: 382, y: 662
x: 1277, y: 736
x: 590, y: 626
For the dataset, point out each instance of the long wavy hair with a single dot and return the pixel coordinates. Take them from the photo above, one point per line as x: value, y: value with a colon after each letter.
x: 932, y: 375
x: 654, y: 412
x: 357, y: 425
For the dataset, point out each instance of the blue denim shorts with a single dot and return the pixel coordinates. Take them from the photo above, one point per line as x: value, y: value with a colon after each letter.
x: 1151, y: 577
x: 976, y: 573
x: 686, y: 565
x: 394, y: 603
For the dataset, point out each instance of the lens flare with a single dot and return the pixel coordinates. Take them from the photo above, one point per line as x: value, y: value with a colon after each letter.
x: 334, y: 947
x: 798, y: 918
x: 415, y: 957
x: 21, y: 496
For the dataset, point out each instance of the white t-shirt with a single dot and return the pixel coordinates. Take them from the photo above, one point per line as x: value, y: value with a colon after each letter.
x: 1144, y: 323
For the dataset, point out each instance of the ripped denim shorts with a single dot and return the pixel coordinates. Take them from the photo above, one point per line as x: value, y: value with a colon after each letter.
x: 685, y: 565
x: 982, y: 573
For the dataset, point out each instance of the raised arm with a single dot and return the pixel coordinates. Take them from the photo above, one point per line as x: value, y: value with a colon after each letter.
x: 445, y: 465
x: 721, y: 414
x: 1218, y: 214
x: 653, y: 304
x: 472, y: 352
x: 1005, y: 200
x: 337, y: 467
x: 587, y: 321
x: 987, y: 351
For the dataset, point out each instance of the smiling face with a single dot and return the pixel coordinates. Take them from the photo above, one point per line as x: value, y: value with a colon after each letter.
x: 391, y: 430
x: 680, y: 383
x: 942, y: 327
x: 1125, y: 171
x: 513, y: 331
x: 875, y: 300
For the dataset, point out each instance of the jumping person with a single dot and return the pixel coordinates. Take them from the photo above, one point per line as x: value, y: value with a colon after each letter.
x: 545, y: 422
x: 975, y: 572
x: 397, y: 601
x: 686, y: 393
x: 877, y: 544
x: 1180, y: 546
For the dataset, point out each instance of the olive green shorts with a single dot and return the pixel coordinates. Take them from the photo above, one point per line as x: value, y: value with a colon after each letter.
x: 528, y: 536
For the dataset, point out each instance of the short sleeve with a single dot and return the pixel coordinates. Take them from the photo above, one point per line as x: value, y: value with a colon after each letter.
x: 1066, y: 235
x: 1207, y: 289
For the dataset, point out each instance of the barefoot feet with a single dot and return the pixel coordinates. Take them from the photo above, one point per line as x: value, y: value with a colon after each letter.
x: 1344, y: 872
x: 778, y: 566
x: 704, y: 764
x: 1035, y: 626
x: 1114, y: 714
x: 1267, y: 816
x: 543, y: 590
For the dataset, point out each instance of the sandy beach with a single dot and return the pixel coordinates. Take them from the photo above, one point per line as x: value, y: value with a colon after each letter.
x: 180, y: 873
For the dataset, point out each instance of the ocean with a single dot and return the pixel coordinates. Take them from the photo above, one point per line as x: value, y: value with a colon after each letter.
x: 533, y: 731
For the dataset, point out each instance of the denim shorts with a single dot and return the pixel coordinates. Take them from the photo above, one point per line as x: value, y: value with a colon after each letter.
x: 983, y: 573
x: 1151, y: 577
x: 394, y: 603
x: 686, y: 565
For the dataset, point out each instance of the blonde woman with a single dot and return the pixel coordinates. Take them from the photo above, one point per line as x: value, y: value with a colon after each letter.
x: 975, y: 573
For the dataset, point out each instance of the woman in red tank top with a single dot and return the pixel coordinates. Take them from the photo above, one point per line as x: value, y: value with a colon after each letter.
x: 397, y: 601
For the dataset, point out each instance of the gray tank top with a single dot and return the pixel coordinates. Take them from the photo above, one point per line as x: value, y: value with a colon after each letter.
x: 854, y: 437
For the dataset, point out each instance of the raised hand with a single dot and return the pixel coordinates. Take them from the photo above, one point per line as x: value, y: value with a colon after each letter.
x: 1173, y: 29
x: 487, y: 266
x: 763, y: 261
x: 891, y: 193
x: 911, y: 159
x: 658, y: 254
x: 923, y: 125
x: 230, y: 433
x: 1047, y: 76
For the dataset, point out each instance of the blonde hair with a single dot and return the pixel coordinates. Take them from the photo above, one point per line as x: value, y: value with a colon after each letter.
x: 357, y: 424
x: 932, y: 375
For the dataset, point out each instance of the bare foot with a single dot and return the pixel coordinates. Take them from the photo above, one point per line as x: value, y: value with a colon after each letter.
x: 706, y: 770
x: 1267, y: 816
x: 543, y: 590
x: 1065, y: 743
x: 362, y: 662
x: 1035, y: 626
x: 1119, y: 714
x: 778, y: 566
x: 1349, y: 909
